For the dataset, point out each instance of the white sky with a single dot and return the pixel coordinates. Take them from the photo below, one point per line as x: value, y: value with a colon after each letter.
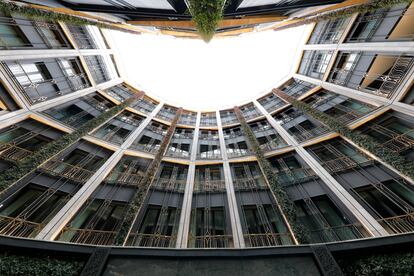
x: 192, y: 74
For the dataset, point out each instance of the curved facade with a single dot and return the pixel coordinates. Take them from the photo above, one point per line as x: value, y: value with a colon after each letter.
x: 157, y: 175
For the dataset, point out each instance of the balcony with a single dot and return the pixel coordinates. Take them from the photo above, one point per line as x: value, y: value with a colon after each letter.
x: 208, y: 120
x: 398, y: 224
x: 211, y: 241
x: 22, y: 33
x: 245, y: 184
x: 170, y: 185
x: 371, y: 73
x: 290, y: 177
x: 266, y: 239
x: 18, y: 227
x: 125, y: 178
x: 211, y: 155
x: 296, y: 88
x: 271, y: 102
x: 145, y: 105
x: 228, y: 117
x: 328, y: 31
x: 61, y: 169
x: 337, y: 233
x: 315, y: 63
x: 151, y: 240
x: 13, y: 153
x: 167, y: 113
x: 89, y: 236
x: 250, y: 111
x: 393, y: 24
x: 82, y: 37
x: 209, y: 186
x: 119, y: 92
x: 97, y: 68
x: 41, y: 80
x: 188, y: 118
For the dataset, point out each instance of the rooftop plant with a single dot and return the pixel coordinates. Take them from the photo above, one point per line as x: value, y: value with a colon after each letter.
x: 206, y: 15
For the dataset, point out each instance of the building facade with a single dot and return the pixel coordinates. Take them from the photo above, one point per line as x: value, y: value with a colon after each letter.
x: 208, y: 189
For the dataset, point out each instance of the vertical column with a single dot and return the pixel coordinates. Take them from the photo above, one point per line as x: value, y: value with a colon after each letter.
x: 58, y: 222
x: 371, y: 225
x: 182, y: 235
x: 231, y: 196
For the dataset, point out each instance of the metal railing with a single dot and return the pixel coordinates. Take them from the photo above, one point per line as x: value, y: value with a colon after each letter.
x: 18, y: 227
x: 266, y: 239
x: 336, y: 233
x: 151, y: 240
x: 209, y: 186
x: 13, y: 153
x: 211, y: 241
x: 169, y: 185
x: 88, y: 236
x: 62, y: 169
x: 398, y: 224
x: 125, y: 178
x: 257, y: 182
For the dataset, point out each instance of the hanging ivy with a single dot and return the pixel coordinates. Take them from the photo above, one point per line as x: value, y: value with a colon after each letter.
x: 347, y: 12
x: 206, y: 14
x: 32, y: 13
x: 399, y: 263
x: 286, y: 204
x: 38, y: 265
x: 30, y: 163
x: 364, y: 141
x: 144, y: 184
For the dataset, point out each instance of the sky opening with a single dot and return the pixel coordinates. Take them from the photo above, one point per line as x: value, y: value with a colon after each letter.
x: 192, y: 74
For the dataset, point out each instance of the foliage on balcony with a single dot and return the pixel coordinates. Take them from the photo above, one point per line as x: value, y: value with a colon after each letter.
x: 144, y: 184
x: 286, y: 204
x: 30, y: 163
x: 362, y: 140
x: 399, y: 263
x: 206, y: 14
x: 33, y: 13
x: 348, y: 11
x: 13, y: 264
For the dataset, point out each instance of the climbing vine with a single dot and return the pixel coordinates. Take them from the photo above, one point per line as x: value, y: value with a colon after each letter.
x: 30, y: 163
x: 347, y: 12
x: 33, y: 13
x: 286, y: 204
x: 364, y: 141
x: 144, y: 184
x: 206, y: 14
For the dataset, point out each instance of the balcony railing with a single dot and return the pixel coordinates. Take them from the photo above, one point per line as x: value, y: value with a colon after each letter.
x: 178, y: 154
x: 169, y: 185
x: 336, y: 233
x: 147, y: 148
x: 272, y: 145
x: 62, y: 169
x: 90, y: 236
x: 294, y: 176
x: 398, y: 224
x: 266, y: 239
x: 210, y: 186
x: 209, y: 155
x: 257, y: 182
x: 151, y: 240
x: 13, y: 153
x: 397, y: 142
x: 234, y: 153
x: 211, y: 241
x: 306, y: 134
x: 125, y: 178
x: 343, y: 163
x: 18, y: 227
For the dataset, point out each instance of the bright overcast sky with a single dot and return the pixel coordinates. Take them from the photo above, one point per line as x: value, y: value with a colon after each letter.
x: 192, y: 74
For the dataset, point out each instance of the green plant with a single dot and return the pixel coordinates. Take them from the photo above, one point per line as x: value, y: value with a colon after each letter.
x: 364, y: 141
x: 206, y: 14
x: 29, y: 164
x: 399, y: 263
x: 286, y: 204
x: 347, y: 12
x: 32, y: 13
x: 144, y: 184
x: 43, y: 265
